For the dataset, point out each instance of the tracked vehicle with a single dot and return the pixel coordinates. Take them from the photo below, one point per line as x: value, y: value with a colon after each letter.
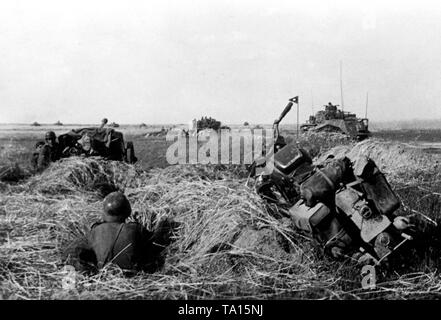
x: 335, y: 120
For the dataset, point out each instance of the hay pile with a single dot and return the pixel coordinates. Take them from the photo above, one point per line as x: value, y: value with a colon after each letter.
x: 317, y: 143
x: 217, y: 250
x: 397, y: 160
x: 227, y: 244
x: 74, y: 175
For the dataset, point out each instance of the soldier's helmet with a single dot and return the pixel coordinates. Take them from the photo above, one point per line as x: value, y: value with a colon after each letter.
x: 116, y: 207
x: 50, y: 135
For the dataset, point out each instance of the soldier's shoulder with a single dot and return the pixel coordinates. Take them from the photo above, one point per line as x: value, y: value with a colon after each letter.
x: 96, y: 224
x: 134, y: 225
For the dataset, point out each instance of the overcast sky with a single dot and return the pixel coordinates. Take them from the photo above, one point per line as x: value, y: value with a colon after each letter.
x: 171, y: 61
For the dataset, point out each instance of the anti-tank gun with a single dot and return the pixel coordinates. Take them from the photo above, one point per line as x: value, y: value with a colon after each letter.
x: 97, y: 141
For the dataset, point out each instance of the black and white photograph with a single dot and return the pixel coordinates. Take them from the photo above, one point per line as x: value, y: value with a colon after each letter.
x: 233, y: 151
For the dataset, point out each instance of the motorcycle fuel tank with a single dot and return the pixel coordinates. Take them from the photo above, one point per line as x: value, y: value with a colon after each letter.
x: 290, y: 157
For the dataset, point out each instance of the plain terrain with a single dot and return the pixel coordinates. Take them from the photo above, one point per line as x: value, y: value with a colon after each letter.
x: 151, y: 150
x: 228, y: 244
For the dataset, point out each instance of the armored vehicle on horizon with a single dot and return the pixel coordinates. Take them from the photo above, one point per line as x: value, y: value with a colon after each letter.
x: 335, y: 120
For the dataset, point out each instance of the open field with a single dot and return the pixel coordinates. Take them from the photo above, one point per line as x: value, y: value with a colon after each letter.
x: 227, y: 245
x: 151, y: 150
x: 426, y: 140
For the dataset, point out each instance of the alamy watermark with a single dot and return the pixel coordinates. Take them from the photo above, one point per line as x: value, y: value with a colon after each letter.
x: 226, y: 146
x: 69, y: 281
x: 369, y: 277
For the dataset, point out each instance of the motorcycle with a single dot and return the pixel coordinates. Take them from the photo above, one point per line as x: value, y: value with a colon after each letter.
x: 347, y: 206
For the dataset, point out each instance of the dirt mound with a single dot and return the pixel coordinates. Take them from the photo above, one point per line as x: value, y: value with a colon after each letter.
x: 76, y: 174
x: 264, y: 242
x: 211, y: 210
x: 394, y: 159
x: 317, y: 143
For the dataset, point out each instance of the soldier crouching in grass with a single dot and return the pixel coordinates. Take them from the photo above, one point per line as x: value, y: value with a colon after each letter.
x: 126, y: 244
x: 46, y: 152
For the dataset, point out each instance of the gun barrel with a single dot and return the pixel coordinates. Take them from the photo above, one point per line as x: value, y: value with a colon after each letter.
x: 285, y: 111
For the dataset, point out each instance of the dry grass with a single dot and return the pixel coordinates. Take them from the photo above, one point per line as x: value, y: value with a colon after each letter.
x: 11, y: 155
x: 45, y: 215
x: 228, y: 245
x: 317, y: 143
x: 400, y: 163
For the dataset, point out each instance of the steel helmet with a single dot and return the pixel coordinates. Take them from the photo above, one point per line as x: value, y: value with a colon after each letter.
x: 116, y: 207
x: 50, y: 135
